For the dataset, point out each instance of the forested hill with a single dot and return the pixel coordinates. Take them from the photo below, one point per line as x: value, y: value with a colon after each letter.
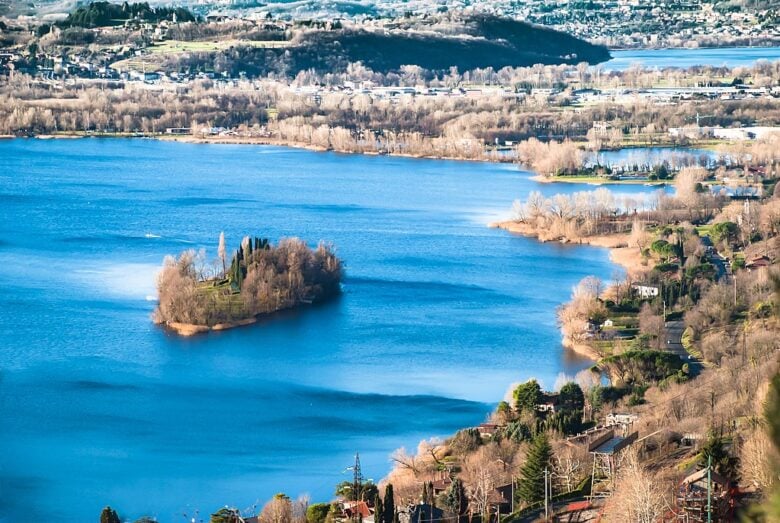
x: 469, y: 43
x: 99, y: 14
x: 487, y: 42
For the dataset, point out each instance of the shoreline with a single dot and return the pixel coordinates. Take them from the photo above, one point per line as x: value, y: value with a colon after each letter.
x: 617, y: 244
x: 592, y: 180
x: 630, y: 260
x: 277, y: 142
x: 488, y: 157
x: 191, y: 329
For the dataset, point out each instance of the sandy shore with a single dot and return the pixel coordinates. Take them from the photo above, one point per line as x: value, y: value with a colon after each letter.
x: 239, y: 140
x: 190, y: 329
x: 58, y: 136
x: 582, y: 349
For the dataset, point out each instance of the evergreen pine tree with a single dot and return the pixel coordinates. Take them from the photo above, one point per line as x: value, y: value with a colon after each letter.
x: 457, y: 502
x: 527, y: 396
x: 240, y: 277
x: 389, y: 512
x: 530, y: 487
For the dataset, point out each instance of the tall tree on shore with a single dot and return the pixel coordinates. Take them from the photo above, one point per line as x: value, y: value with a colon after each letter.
x: 389, y: 509
x: 530, y: 487
x: 222, y: 252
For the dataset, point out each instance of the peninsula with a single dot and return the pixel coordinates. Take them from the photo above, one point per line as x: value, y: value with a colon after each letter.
x: 261, y: 279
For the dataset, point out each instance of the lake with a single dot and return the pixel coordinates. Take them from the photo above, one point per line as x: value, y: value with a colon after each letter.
x: 681, y: 58
x: 439, y: 315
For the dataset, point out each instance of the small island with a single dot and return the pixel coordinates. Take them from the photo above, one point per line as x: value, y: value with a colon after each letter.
x: 195, y: 296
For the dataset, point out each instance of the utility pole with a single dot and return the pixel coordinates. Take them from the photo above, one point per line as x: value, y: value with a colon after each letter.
x: 357, y: 478
x: 709, y: 488
x: 545, y: 494
x: 357, y: 485
x: 512, y: 503
x: 664, y: 310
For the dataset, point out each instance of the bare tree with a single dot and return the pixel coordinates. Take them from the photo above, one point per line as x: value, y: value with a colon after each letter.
x: 222, y: 253
x: 638, y: 496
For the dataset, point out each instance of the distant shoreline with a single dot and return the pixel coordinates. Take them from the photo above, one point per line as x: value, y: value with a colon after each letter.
x: 276, y: 142
x: 699, y: 48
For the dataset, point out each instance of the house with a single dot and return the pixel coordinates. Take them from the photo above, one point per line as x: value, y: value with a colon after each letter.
x: 488, y: 429
x: 441, y: 485
x: 420, y: 513
x: 356, y: 510
x: 548, y: 402
x: 702, y: 488
x: 607, y: 323
x: 601, y: 128
x: 620, y: 419
x: 759, y: 262
x: 502, y: 498
x: 178, y: 130
x: 645, y: 291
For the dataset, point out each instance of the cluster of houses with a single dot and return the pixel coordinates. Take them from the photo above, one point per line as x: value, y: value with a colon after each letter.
x: 724, y: 133
x: 631, y: 23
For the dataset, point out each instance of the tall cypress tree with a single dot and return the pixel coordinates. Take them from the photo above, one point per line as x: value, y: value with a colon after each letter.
x: 389, y: 512
x: 378, y: 509
x: 530, y: 487
x: 457, y: 502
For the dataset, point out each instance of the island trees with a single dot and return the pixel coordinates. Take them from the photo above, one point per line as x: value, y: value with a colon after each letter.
x: 262, y: 278
x: 109, y: 515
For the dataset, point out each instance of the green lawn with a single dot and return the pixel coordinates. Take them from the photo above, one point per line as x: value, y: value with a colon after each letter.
x: 704, y: 230
x: 227, y: 300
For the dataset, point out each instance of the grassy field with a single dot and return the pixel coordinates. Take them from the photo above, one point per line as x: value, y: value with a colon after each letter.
x: 228, y: 301
x: 179, y: 46
x: 137, y: 64
x: 704, y: 230
x: 153, y: 60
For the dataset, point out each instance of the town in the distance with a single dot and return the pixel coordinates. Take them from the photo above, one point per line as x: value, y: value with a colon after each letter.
x: 650, y: 129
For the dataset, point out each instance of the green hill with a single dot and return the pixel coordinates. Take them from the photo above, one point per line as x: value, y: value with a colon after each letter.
x: 475, y: 42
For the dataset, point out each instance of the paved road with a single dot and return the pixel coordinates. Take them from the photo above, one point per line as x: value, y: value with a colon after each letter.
x: 721, y: 263
x: 674, y: 332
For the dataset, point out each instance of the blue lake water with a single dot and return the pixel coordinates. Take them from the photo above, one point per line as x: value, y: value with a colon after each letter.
x: 439, y: 315
x: 717, y: 57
